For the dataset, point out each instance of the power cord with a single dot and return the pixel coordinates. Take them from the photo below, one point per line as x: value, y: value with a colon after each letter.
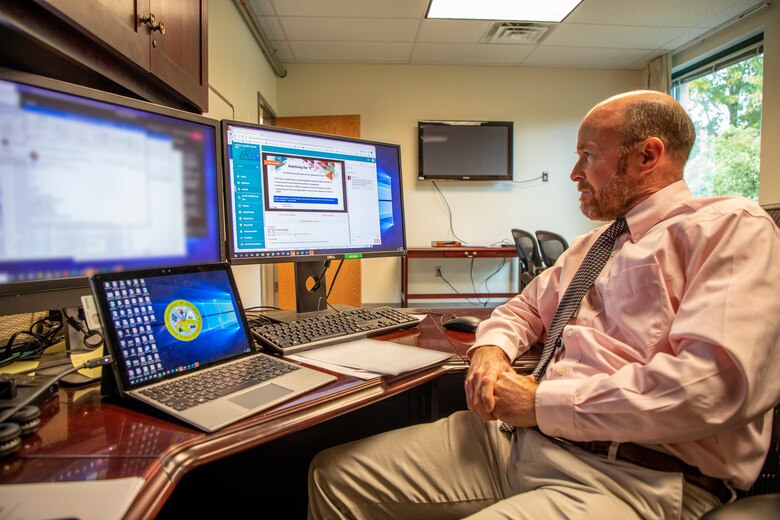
x: 92, y: 339
x: 39, y: 341
x: 442, y: 316
x: 335, y: 276
x: 316, y: 285
x: 449, y: 212
x: 92, y: 363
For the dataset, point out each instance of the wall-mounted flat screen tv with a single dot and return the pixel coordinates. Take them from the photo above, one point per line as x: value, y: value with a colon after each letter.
x: 465, y: 150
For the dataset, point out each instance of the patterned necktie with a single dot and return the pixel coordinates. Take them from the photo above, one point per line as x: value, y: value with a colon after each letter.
x: 581, y: 283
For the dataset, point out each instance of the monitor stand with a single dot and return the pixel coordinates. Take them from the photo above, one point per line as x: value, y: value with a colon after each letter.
x: 308, y: 301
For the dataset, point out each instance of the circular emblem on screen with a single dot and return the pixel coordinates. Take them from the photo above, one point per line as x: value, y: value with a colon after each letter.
x: 183, y: 320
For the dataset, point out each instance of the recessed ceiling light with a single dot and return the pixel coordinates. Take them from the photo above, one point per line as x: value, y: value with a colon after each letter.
x: 516, y: 10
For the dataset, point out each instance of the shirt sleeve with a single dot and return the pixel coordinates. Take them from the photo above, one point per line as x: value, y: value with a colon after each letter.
x: 719, y: 367
x: 521, y: 322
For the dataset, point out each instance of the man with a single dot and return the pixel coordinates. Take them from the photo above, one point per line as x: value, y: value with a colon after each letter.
x: 669, y: 359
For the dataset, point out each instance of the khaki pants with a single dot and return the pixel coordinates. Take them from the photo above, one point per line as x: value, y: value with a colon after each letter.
x: 461, y: 466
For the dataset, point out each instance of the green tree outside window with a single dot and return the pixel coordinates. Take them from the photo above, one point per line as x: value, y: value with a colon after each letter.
x: 725, y: 106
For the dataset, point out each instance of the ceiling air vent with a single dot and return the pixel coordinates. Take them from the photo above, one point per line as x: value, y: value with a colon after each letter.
x: 515, y: 32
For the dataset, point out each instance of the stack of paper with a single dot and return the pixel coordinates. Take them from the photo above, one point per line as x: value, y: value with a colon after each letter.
x: 369, y: 358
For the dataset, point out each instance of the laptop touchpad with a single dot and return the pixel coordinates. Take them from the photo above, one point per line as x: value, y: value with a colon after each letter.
x: 260, y: 396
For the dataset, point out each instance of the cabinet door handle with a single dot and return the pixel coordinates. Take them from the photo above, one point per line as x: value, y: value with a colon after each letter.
x: 151, y: 21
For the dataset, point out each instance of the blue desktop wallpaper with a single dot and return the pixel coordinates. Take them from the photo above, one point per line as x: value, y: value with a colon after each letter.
x: 390, y: 196
x: 221, y: 330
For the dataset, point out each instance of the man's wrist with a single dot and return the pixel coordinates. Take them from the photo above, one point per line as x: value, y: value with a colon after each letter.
x: 488, y: 350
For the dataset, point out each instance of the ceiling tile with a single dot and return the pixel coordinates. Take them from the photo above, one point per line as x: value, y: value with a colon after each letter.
x: 685, y: 38
x: 583, y: 57
x: 350, y: 29
x: 669, y: 13
x: 272, y: 27
x: 352, y: 8
x: 453, y: 31
x: 284, y: 51
x: 614, y: 36
x: 262, y: 7
x: 470, y: 54
x: 348, y: 52
x: 732, y: 11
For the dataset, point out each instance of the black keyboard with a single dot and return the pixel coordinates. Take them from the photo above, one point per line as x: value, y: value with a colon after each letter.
x: 188, y: 391
x: 324, y: 329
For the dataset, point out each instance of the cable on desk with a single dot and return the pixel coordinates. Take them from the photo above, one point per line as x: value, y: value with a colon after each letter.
x: 92, y: 339
x: 443, y: 315
x: 33, y: 347
x: 92, y: 363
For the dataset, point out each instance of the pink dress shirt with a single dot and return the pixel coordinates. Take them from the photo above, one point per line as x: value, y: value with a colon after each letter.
x: 676, y: 345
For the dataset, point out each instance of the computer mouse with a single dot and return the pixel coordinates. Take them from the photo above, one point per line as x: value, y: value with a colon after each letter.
x: 462, y: 323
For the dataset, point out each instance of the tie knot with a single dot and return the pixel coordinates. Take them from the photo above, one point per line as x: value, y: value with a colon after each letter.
x: 617, y: 228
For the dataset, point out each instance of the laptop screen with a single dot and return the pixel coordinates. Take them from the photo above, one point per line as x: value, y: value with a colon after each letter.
x: 169, y: 323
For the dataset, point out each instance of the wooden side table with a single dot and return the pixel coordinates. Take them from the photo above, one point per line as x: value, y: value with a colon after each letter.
x: 453, y: 252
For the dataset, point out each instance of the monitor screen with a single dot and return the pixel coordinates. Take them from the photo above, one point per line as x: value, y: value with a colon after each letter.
x: 465, y: 150
x: 299, y: 196
x: 93, y: 182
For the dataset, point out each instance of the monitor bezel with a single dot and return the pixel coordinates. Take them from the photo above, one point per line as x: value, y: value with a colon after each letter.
x: 57, y: 293
x: 508, y: 176
x: 321, y: 257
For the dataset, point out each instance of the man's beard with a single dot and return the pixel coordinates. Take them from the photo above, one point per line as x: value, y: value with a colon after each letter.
x: 612, y: 199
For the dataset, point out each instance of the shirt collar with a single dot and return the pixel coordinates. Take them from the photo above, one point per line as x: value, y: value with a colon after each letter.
x: 655, y: 208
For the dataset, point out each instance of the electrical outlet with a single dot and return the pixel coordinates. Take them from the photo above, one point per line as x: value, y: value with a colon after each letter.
x: 438, y: 271
x: 545, y: 176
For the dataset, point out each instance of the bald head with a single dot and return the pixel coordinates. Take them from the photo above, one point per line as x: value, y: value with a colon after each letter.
x: 641, y: 114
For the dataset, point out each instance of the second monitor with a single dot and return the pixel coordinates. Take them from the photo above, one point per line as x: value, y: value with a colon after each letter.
x: 301, y: 197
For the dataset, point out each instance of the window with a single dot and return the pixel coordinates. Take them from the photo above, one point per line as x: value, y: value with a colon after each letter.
x: 723, y: 97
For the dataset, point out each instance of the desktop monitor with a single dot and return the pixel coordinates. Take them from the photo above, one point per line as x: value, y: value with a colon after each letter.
x: 94, y: 182
x: 295, y: 196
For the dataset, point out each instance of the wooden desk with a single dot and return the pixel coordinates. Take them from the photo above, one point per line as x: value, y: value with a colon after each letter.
x: 453, y: 252
x: 86, y: 437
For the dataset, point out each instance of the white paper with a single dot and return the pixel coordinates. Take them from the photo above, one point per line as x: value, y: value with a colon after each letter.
x: 88, y: 500
x: 353, y: 372
x: 384, y: 357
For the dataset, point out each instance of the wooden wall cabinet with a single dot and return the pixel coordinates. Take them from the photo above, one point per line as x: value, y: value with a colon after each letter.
x: 120, y: 41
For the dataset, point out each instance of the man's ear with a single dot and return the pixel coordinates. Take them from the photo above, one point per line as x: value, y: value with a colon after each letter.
x: 649, y: 153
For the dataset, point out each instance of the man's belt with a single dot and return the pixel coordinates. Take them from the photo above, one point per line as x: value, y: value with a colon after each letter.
x: 653, y: 459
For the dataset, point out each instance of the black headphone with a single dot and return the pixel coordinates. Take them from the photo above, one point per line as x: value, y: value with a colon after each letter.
x: 21, y: 423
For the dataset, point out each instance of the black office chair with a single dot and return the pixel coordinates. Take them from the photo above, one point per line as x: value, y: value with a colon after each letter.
x: 551, y: 245
x: 762, y: 500
x: 774, y: 212
x: 530, y: 257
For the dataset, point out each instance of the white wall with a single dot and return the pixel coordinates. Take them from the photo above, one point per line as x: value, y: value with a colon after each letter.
x: 546, y: 105
x: 238, y: 70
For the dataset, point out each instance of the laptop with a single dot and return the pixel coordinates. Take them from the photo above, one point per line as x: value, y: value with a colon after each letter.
x: 181, y: 343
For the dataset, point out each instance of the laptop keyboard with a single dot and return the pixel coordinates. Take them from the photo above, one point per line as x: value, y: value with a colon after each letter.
x: 186, y: 392
x: 323, y: 329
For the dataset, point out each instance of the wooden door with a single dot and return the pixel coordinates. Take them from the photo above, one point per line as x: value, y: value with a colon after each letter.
x: 348, y: 284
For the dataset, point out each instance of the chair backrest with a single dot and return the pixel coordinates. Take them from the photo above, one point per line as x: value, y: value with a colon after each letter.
x: 528, y: 251
x: 552, y: 245
x: 774, y: 212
